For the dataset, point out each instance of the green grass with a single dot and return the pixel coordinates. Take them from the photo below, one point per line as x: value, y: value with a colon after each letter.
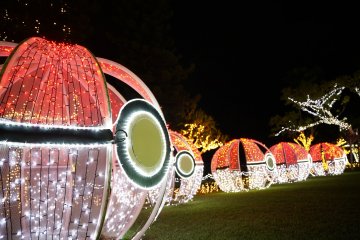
x: 319, y: 208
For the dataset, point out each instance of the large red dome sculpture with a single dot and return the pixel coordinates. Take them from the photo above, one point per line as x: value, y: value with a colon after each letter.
x: 328, y: 159
x: 293, y: 162
x: 243, y: 164
x: 71, y: 167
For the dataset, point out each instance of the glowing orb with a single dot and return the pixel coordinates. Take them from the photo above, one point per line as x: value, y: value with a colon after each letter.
x: 243, y: 164
x: 71, y: 167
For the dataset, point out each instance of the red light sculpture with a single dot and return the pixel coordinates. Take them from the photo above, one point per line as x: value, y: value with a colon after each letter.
x: 328, y: 159
x: 243, y: 164
x: 71, y: 167
x: 292, y: 161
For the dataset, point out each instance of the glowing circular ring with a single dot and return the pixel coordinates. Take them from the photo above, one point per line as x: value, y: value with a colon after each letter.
x: 143, y: 143
x: 270, y: 161
x: 184, y: 164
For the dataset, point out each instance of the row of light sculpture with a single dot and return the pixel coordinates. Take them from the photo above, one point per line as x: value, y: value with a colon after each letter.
x: 80, y: 161
x: 77, y: 159
x: 244, y: 164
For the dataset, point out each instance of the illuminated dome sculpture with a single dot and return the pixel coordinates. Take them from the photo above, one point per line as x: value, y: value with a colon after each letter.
x: 188, y: 178
x: 68, y: 169
x: 243, y: 164
x: 328, y: 159
x: 189, y: 167
x: 293, y: 162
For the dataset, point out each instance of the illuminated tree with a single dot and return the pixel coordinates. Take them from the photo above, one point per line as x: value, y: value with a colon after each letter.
x: 320, y: 103
x: 320, y: 108
x: 202, y: 132
x: 304, y: 141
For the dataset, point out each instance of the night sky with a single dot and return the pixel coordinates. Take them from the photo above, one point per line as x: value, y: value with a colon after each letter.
x: 244, y: 52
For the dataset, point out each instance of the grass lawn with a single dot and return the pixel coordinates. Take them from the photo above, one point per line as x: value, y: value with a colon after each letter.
x: 318, y: 208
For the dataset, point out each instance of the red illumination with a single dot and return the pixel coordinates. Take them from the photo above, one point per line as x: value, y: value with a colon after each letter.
x: 330, y: 151
x: 228, y: 154
x: 288, y: 153
x: 182, y: 143
x: 65, y: 82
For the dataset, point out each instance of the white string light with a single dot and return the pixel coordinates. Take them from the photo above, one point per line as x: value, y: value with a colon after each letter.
x: 320, y: 108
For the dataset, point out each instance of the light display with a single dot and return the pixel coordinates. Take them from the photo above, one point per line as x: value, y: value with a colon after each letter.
x: 328, y: 159
x: 196, y: 133
x: 243, y: 164
x: 321, y: 109
x: 357, y: 90
x: 184, y: 164
x: 349, y: 149
x: 189, y: 168
x: 69, y: 169
x: 304, y: 141
x: 293, y: 162
x: 208, y: 185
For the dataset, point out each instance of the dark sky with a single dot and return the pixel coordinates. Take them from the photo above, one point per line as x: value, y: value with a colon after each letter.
x: 243, y: 51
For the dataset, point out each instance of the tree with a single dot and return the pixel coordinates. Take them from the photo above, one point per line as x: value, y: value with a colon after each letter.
x: 331, y: 103
x: 304, y: 141
x: 201, y: 130
x: 318, y: 103
x: 321, y: 110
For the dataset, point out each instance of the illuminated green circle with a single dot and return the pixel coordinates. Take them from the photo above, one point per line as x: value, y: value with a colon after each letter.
x: 270, y: 161
x: 146, y: 144
x: 185, y: 164
x: 143, y: 143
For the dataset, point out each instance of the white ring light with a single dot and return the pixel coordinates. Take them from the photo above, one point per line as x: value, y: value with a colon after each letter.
x: 143, y: 143
x: 270, y: 161
x: 185, y: 164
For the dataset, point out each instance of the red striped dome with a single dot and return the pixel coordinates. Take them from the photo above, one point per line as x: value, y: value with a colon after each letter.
x: 288, y: 153
x: 327, y: 150
x: 238, y: 152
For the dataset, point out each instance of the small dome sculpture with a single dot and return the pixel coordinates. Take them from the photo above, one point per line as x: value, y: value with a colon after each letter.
x: 328, y: 159
x: 293, y: 162
x: 243, y: 164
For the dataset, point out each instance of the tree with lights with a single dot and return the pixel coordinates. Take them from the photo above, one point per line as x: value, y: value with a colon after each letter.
x: 329, y: 103
x: 201, y: 130
x: 321, y: 109
x: 304, y: 141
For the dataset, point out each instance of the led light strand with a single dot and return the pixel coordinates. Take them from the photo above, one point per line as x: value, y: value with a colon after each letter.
x: 320, y: 108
